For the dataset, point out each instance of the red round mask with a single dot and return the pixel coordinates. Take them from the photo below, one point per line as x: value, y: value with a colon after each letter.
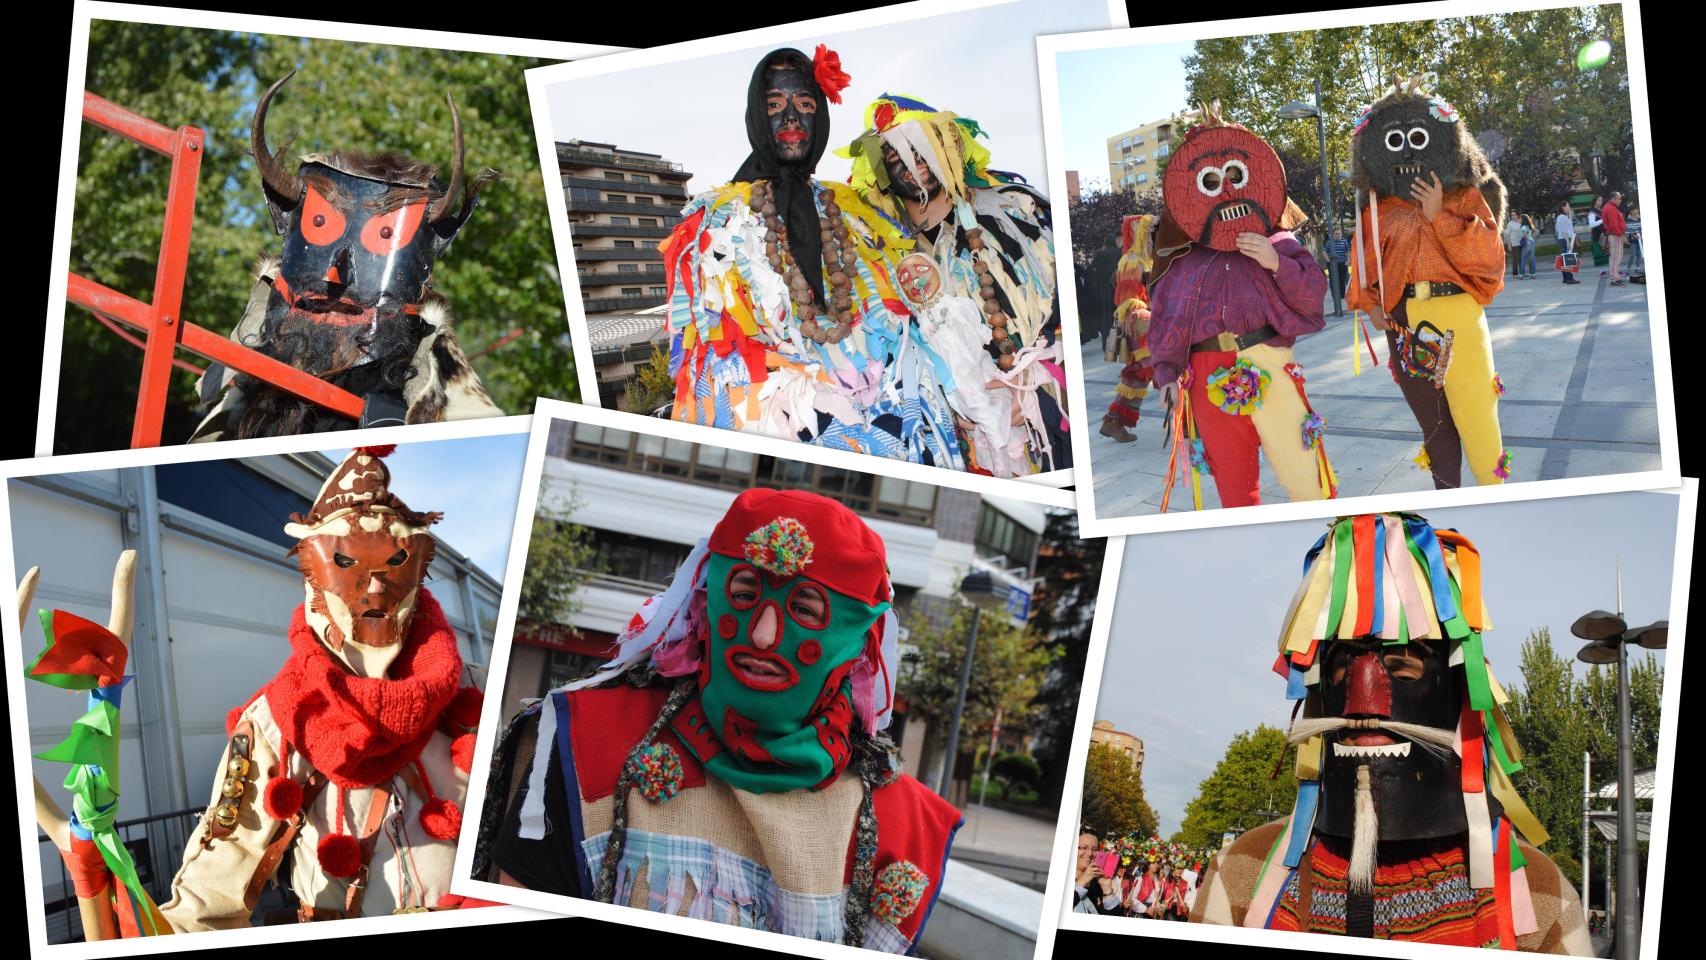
x: 1223, y: 181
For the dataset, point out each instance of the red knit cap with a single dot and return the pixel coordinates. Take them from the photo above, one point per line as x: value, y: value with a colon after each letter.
x: 791, y: 532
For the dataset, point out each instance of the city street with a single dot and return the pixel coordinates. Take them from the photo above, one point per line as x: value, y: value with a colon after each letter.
x: 1576, y: 362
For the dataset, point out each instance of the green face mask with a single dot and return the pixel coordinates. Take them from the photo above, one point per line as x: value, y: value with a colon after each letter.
x: 775, y: 717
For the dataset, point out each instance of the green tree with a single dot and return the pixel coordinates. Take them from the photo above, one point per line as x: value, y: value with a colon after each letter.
x: 500, y: 276
x: 652, y: 386
x: 560, y: 560
x: 1113, y: 795
x: 1016, y: 770
x: 1243, y: 789
x: 1062, y: 610
x: 1007, y: 671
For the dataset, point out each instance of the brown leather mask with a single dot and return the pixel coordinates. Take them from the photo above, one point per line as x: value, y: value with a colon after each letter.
x: 365, y: 581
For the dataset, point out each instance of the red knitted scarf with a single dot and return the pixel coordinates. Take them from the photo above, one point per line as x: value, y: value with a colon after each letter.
x: 355, y: 730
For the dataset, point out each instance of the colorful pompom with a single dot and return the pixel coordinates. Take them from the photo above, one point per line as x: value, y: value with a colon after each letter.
x: 899, y: 890
x: 883, y: 116
x: 1498, y: 385
x: 441, y: 819
x: 464, y: 708
x: 282, y: 798
x: 781, y: 546
x: 339, y: 854
x: 1295, y: 371
x: 1362, y: 119
x: 462, y: 752
x: 1441, y: 110
x: 1238, y: 389
x: 1503, y: 470
x: 1314, y: 429
x: 826, y: 70
x: 657, y: 772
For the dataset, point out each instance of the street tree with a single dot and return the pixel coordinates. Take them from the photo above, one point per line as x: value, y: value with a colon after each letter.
x: 560, y: 560
x: 1113, y: 795
x: 1070, y: 568
x: 1244, y: 790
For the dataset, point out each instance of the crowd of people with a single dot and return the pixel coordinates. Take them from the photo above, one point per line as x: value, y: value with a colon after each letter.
x: 1133, y: 877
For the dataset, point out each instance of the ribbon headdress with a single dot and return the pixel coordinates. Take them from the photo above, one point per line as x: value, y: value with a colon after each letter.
x: 945, y: 141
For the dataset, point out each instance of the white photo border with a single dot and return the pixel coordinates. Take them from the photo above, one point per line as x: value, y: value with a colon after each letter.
x: 1652, y: 902
x: 547, y: 412
x: 35, y: 918
x: 1668, y: 476
x: 53, y: 335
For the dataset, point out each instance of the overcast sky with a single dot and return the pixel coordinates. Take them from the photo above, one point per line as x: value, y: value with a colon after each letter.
x: 1104, y: 92
x: 1197, y: 618
x: 474, y: 481
x: 980, y: 64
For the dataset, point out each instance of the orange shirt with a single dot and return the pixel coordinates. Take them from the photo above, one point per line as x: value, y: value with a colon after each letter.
x: 1459, y: 246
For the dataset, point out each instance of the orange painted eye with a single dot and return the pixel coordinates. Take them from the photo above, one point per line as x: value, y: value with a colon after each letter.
x: 322, y: 223
x: 392, y: 231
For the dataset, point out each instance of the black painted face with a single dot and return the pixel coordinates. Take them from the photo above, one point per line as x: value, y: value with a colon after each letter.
x: 1417, y: 792
x: 792, y: 108
x: 1405, y: 140
x: 914, y: 181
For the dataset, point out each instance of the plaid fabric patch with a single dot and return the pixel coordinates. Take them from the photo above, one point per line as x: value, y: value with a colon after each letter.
x: 729, y: 888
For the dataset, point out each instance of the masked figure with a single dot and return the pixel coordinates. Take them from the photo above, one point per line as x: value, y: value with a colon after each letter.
x: 782, y: 303
x: 1131, y: 320
x: 988, y: 336
x: 354, y: 758
x: 1227, y: 311
x: 728, y: 764
x: 1406, y: 824
x: 350, y: 299
x: 1428, y: 258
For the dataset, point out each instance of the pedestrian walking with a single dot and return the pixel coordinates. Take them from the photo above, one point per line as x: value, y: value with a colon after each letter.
x: 1615, y: 228
x: 1564, y: 228
x: 1635, y: 249
x: 1513, y: 243
x: 1528, y: 236
x: 1338, y: 257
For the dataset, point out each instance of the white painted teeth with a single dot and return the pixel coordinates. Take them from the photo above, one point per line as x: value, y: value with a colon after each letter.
x: 1401, y: 749
x: 1234, y: 212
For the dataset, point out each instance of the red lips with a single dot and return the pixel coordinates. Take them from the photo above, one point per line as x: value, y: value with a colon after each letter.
x: 760, y: 669
x: 792, y: 136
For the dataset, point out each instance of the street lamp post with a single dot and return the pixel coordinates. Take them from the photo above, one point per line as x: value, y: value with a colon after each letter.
x: 983, y: 590
x: 1299, y: 110
x: 1608, y: 639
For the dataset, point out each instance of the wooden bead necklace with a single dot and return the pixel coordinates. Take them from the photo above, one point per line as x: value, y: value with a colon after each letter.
x: 840, y: 263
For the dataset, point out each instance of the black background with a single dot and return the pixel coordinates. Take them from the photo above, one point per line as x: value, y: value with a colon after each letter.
x: 37, y: 124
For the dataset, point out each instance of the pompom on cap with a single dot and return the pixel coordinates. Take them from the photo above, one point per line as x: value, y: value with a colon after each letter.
x: 339, y: 854
x: 381, y: 450
x: 282, y: 798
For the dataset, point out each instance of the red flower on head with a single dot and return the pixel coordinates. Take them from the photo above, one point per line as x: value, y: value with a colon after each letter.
x: 382, y: 451
x: 884, y: 115
x: 826, y: 69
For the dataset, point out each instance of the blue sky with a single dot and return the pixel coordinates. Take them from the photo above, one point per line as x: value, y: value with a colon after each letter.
x: 474, y: 481
x: 1197, y: 615
x: 980, y: 64
x: 1104, y: 92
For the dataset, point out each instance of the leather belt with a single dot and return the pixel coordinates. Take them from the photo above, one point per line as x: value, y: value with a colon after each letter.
x: 1233, y: 342
x: 1427, y: 290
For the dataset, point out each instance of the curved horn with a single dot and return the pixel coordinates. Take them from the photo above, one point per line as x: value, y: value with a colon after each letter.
x: 282, y: 182
x: 443, y: 205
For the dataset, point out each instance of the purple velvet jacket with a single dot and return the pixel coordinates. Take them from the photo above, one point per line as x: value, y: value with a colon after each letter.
x: 1206, y: 292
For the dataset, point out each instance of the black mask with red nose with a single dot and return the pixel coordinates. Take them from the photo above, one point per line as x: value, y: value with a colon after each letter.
x: 1418, y: 792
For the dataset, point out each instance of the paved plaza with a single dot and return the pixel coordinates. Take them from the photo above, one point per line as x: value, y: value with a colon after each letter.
x: 1576, y: 362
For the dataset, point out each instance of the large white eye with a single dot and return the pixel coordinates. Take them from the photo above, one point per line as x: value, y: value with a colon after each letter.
x: 1418, y: 138
x: 1235, y: 173
x: 1209, y: 181
x: 1394, y: 140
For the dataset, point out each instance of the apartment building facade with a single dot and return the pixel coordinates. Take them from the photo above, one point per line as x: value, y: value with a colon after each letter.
x: 1135, y: 156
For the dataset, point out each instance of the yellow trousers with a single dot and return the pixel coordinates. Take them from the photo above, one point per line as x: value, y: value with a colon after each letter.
x: 1470, y: 395
x: 1276, y: 427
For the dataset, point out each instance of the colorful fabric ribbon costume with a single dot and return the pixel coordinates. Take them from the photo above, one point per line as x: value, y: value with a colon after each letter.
x: 1432, y: 278
x: 1406, y: 823
x: 354, y: 757
x: 728, y: 763
x: 991, y: 320
x: 1131, y: 316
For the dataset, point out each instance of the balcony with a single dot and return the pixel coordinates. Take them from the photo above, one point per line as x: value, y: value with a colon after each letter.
x: 613, y: 278
x: 672, y: 213
x: 611, y: 230
x: 569, y: 156
x: 638, y: 253
x: 611, y: 304
x: 672, y: 191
